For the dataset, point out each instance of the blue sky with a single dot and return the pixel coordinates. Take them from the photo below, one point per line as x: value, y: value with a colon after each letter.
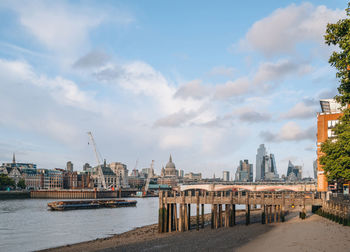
x: 207, y: 82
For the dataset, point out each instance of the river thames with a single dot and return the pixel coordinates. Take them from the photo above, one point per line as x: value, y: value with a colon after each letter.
x: 27, y: 224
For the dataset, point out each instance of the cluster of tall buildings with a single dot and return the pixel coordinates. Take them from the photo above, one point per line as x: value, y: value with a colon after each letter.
x: 265, y: 169
x: 244, y: 172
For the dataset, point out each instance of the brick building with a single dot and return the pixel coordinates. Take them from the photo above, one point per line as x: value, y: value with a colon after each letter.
x: 326, y: 120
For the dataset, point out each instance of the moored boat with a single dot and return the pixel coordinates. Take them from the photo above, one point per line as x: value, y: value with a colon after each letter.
x: 89, y: 204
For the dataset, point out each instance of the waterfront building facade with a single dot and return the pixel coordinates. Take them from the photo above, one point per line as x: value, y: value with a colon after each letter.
x: 326, y: 120
x: 121, y: 172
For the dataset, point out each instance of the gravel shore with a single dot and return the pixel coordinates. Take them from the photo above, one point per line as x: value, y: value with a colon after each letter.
x: 313, y: 234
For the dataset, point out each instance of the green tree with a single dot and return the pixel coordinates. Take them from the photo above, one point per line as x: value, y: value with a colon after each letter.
x: 336, y: 158
x: 5, y: 182
x: 338, y: 34
x: 21, y: 184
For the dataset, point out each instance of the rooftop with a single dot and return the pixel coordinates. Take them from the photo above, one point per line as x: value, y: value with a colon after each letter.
x: 330, y: 106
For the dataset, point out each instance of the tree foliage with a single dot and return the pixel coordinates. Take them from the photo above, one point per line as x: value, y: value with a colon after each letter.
x: 5, y: 182
x: 338, y: 34
x: 21, y: 184
x: 336, y: 150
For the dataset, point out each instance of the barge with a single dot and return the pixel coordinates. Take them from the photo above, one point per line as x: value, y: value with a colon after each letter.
x: 89, y: 204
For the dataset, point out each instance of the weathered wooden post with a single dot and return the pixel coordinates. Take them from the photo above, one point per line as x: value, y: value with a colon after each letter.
x: 212, y: 216
x: 279, y: 213
x: 197, y: 201
x: 283, y: 207
x: 160, y: 213
x: 189, y: 217
x: 220, y: 215
x: 170, y: 221
x: 227, y: 215
x: 202, y: 216
x: 275, y: 213
x: 176, y: 222
x: 247, y: 209
x: 216, y: 215
x: 181, y: 212
x: 185, y: 217
x: 165, y: 207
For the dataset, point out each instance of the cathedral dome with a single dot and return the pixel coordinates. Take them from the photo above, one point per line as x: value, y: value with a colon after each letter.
x: 170, y: 164
x: 170, y: 169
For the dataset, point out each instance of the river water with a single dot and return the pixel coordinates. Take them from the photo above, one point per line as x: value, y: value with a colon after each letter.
x: 27, y: 225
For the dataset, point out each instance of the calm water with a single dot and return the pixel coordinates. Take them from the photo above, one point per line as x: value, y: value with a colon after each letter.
x: 27, y: 225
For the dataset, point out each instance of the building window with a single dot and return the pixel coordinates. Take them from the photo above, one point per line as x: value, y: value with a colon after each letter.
x: 332, y: 123
x: 330, y: 133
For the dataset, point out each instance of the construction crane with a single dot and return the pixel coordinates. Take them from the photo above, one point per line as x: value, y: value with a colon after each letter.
x: 134, y: 171
x: 150, y: 175
x: 101, y: 177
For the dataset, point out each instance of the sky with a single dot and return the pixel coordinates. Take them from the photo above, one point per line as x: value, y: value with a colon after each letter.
x: 204, y: 81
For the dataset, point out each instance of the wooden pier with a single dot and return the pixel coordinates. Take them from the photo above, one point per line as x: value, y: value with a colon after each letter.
x: 175, y: 207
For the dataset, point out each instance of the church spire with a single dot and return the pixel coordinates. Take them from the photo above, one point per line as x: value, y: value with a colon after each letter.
x: 170, y: 159
x: 14, y: 158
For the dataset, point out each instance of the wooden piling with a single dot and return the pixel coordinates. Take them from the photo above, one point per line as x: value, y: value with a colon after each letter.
x: 202, y: 215
x: 170, y: 221
x: 197, y: 219
x: 165, y: 207
x: 220, y: 215
x: 247, y: 209
x: 160, y: 213
x: 176, y: 222
x: 189, y: 217
x: 233, y: 215
x: 186, y: 217
x: 216, y: 215
x: 212, y: 216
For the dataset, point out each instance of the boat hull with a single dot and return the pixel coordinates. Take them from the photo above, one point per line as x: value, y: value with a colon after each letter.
x: 89, y: 204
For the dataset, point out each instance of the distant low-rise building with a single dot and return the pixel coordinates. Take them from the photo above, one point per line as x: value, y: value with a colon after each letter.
x: 193, y: 176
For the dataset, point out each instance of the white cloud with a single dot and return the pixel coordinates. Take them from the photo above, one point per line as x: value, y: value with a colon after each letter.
x: 267, y: 76
x: 286, y: 27
x: 170, y: 141
x: 289, y: 132
x: 233, y: 88
x: 61, y: 26
x: 300, y: 111
x: 176, y: 119
x: 251, y: 115
x: 222, y: 71
x: 193, y: 89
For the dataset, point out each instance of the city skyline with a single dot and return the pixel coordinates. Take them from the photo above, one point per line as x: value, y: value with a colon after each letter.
x: 153, y: 79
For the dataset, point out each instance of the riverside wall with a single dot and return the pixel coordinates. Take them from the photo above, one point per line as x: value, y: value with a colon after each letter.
x: 14, y: 195
x: 79, y: 194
